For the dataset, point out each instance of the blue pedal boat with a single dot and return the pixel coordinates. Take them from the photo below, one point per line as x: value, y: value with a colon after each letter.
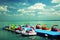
x: 51, y: 34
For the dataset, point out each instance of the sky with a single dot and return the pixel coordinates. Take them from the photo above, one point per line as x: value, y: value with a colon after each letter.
x: 29, y: 10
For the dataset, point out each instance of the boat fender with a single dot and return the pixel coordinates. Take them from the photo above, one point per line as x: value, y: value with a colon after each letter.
x: 46, y: 35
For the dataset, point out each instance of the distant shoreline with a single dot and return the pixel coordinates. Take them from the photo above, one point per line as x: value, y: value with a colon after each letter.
x: 29, y: 20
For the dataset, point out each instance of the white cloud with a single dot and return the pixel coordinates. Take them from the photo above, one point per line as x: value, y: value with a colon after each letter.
x: 3, y: 8
x: 58, y: 5
x: 25, y: 10
x: 32, y: 14
x: 56, y: 13
x: 33, y: 8
x: 20, y: 10
x: 25, y: 4
x: 17, y: 14
x: 39, y: 16
x: 40, y: 13
x: 47, y: 13
x: 29, y: 14
x: 40, y: 10
x: 37, y: 6
x: 55, y: 1
x: 44, y: 13
x: 49, y: 9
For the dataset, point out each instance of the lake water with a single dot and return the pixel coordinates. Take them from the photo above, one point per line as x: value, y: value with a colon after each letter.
x: 7, y: 35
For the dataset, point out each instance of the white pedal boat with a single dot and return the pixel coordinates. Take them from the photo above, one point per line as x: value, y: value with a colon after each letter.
x: 18, y: 31
x: 31, y: 33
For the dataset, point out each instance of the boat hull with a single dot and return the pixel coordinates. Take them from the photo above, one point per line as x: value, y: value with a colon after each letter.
x: 49, y: 34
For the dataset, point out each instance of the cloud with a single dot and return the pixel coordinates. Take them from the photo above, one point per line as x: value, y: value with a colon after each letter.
x: 38, y: 9
x: 37, y: 6
x: 44, y: 13
x: 49, y: 9
x: 30, y: 14
x: 56, y: 13
x: 20, y: 10
x: 33, y: 8
x: 3, y: 8
x: 25, y: 10
x: 17, y: 14
x: 58, y: 5
x: 49, y: 14
x: 27, y: 14
x: 24, y: 4
x: 55, y: 1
